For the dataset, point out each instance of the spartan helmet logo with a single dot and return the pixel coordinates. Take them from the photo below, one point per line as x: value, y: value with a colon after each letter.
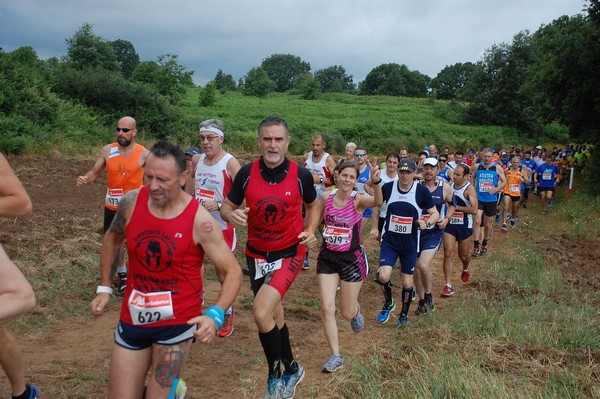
x: 270, y: 213
x: 154, y: 253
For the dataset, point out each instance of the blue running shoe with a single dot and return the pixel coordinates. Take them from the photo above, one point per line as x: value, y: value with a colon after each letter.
x: 358, y: 321
x: 275, y: 388
x: 498, y: 217
x: 334, y: 364
x: 291, y: 381
x: 384, y: 314
x: 34, y: 392
x: 403, y: 321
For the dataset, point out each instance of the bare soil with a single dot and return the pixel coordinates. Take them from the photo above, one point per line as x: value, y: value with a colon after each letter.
x: 71, y: 359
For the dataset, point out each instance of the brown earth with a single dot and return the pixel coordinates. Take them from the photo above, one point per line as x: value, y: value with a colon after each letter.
x: 71, y: 358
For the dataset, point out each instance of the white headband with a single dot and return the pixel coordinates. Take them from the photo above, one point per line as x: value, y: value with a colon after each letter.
x: 215, y: 130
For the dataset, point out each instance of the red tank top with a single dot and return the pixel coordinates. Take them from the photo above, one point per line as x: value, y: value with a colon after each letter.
x: 163, y: 257
x: 275, y: 217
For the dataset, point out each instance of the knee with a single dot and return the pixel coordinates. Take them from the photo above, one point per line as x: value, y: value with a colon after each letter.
x: 328, y: 310
x: 384, y: 274
x: 261, y: 313
x: 349, y: 312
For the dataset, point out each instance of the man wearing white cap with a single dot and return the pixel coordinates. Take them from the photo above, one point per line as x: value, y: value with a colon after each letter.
x: 214, y: 172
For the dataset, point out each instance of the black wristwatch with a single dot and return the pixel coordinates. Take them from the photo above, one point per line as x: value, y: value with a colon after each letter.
x: 377, y: 182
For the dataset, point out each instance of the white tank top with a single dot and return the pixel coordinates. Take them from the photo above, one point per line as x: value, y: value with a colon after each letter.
x: 319, y: 168
x: 213, y: 183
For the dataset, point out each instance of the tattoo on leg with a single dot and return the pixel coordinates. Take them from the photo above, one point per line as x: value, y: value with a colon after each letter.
x: 170, y: 363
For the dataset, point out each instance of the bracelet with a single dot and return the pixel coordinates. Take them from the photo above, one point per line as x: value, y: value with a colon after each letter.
x: 377, y: 182
x: 321, y: 179
x: 102, y: 289
x: 217, y: 314
x: 309, y: 231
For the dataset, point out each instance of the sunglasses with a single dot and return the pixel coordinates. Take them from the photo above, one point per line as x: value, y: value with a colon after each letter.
x: 207, y: 138
x: 360, y: 155
x: 123, y: 129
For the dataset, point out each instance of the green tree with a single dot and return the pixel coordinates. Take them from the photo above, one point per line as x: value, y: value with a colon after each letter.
x: 284, y: 70
x: 87, y: 50
x: 257, y: 83
x: 450, y: 82
x: 335, y: 79
x: 208, y: 95
x: 224, y: 82
x: 308, y: 86
x: 395, y: 80
x: 127, y: 58
x: 166, y: 75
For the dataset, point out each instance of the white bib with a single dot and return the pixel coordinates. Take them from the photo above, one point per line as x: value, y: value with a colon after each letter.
x: 148, y: 308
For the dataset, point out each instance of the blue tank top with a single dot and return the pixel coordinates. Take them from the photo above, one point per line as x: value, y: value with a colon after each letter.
x: 485, y: 180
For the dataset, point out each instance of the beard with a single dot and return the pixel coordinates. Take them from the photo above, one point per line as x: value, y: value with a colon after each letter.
x: 123, y: 142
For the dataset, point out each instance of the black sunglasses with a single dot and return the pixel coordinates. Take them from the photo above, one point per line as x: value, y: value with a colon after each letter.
x: 123, y: 129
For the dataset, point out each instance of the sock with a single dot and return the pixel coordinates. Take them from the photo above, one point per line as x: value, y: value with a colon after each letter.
x: 429, y: 298
x: 387, y: 292
x: 271, y: 343
x: 406, y: 299
x: 476, y: 243
x: 25, y: 395
x: 484, y: 243
x: 286, y: 351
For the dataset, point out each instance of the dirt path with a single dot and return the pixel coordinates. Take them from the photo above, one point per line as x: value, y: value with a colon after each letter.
x: 70, y: 360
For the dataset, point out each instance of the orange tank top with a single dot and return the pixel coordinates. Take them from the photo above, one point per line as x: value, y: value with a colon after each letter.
x: 123, y: 174
x: 513, y: 183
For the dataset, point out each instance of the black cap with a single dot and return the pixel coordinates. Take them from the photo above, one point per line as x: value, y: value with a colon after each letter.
x: 407, y: 164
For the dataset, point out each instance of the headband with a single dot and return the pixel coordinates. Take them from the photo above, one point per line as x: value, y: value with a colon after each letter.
x: 215, y: 130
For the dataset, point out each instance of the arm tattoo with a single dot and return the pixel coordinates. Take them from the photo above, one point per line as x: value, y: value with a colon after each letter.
x: 170, y: 363
x: 119, y: 222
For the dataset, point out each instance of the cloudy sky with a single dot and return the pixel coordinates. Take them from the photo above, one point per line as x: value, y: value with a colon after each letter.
x: 236, y: 35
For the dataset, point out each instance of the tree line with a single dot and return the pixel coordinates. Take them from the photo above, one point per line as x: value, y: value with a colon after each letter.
x: 540, y: 79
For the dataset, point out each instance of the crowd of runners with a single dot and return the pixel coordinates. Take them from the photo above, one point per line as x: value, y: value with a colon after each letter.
x: 170, y: 208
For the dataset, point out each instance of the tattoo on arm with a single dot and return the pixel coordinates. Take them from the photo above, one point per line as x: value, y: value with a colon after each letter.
x: 171, y: 359
x: 119, y: 222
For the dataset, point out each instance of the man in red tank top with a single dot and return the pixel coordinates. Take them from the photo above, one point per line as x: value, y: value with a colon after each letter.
x: 123, y: 161
x: 274, y: 189
x: 167, y: 233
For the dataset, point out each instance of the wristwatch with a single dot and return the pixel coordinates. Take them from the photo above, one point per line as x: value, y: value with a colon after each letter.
x: 219, y: 205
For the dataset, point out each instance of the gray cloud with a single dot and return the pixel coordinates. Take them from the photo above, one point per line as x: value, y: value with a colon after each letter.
x: 236, y: 35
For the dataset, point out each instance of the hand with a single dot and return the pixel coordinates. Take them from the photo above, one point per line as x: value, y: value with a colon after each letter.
x: 442, y: 222
x: 239, y: 217
x: 81, y: 180
x: 308, y: 239
x: 374, y: 170
x: 210, y: 205
x: 422, y: 224
x: 374, y: 234
x: 99, y: 303
x: 207, y: 329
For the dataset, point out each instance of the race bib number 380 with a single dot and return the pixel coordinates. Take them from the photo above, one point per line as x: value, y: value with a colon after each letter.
x: 148, y: 308
x: 401, y: 224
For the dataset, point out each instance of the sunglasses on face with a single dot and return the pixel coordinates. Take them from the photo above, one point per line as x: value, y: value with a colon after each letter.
x: 360, y: 155
x: 123, y: 129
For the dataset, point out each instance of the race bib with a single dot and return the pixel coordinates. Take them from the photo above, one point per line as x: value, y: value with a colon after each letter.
x: 204, y: 194
x: 151, y: 307
x: 113, y: 196
x: 263, y: 267
x: 337, y: 235
x: 401, y: 224
x: 457, y: 218
x: 485, y: 187
x: 547, y: 176
x: 514, y: 188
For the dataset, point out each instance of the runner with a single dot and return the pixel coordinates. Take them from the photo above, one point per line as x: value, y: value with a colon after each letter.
x: 124, y: 162
x: 431, y: 238
x: 460, y: 227
x: 361, y: 157
x: 390, y: 173
x: 401, y: 233
x: 342, y: 257
x: 16, y: 294
x: 214, y: 172
x: 350, y: 147
x: 167, y: 234
x: 547, y: 177
x: 274, y: 189
x: 528, y: 166
x: 489, y: 180
x: 445, y: 170
x: 511, y: 195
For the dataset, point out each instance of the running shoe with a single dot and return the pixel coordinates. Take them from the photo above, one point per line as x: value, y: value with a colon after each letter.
x: 504, y: 227
x: 421, y: 308
x: 121, y: 283
x: 275, y: 388
x: 524, y: 205
x: 498, y: 218
x: 227, y: 329
x: 291, y: 381
x: 384, y: 314
x: 34, y: 392
x: 429, y: 305
x: 334, y: 364
x: 465, y: 276
x: 448, y: 291
x: 483, y: 250
x: 516, y: 218
x: 475, y: 253
x: 508, y: 216
x: 512, y: 224
x: 245, y: 270
x: 306, y: 264
x: 358, y: 322
x: 402, y: 321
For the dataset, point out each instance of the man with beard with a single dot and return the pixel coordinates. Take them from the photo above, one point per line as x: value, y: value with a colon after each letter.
x: 124, y: 162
